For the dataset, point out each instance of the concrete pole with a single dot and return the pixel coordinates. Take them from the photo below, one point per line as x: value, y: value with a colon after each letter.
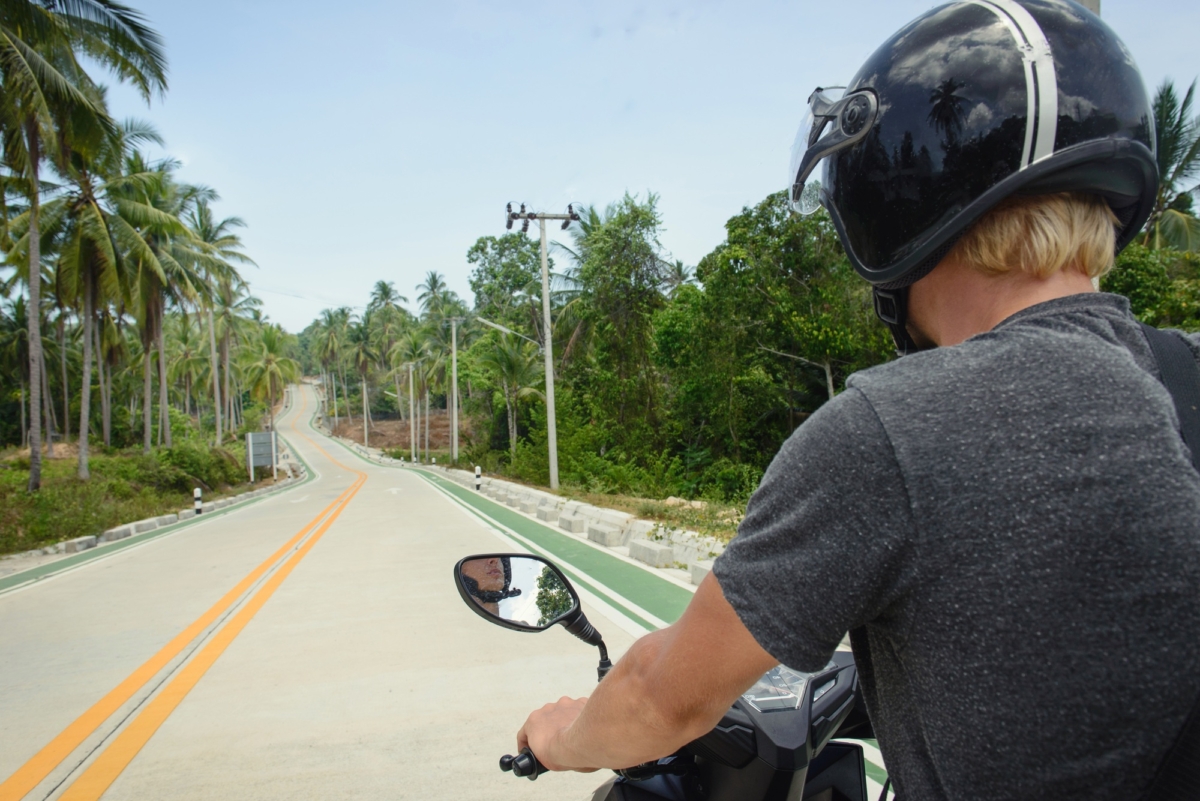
x: 364, y: 394
x: 274, y: 456
x: 548, y: 352
x: 412, y: 425
x: 454, y: 391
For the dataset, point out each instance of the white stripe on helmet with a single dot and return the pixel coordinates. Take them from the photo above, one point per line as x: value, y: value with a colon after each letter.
x: 1041, y: 81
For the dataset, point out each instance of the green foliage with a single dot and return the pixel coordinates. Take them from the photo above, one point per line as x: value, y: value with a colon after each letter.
x: 1163, y: 286
x: 553, y: 599
x: 506, y: 278
x: 123, y: 487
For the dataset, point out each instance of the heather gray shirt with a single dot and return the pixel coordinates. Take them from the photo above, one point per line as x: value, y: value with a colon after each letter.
x: 1010, y: 530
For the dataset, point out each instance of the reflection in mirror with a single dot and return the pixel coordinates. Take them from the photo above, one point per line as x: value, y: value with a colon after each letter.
x: 518, y: 589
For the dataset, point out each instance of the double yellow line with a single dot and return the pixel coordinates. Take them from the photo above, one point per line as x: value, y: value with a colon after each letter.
x: 108, y: 766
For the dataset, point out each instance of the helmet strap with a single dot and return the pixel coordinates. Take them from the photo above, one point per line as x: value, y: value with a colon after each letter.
x: 891, y: 306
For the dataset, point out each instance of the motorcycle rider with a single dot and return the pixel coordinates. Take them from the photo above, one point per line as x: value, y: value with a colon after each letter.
x: 488, y: 581
x: 1006, y: 519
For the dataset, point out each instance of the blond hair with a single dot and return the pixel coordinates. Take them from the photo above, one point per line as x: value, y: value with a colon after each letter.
x: 1040, y: 235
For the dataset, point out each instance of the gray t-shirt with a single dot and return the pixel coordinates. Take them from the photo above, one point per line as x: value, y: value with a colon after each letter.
x: 1010, y: 531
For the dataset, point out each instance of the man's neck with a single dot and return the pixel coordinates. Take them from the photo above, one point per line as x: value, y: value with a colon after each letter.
x: 954, y: 302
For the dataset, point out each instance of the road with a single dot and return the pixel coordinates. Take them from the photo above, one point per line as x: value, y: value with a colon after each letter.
x: 308, y: 645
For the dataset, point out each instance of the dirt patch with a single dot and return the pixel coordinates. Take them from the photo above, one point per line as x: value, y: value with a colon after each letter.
x: 395, y: 433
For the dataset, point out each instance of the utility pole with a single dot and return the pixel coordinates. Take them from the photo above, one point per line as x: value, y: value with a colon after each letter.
x: 412, y: 425
x: 547, y: 333
x: 454, y: 321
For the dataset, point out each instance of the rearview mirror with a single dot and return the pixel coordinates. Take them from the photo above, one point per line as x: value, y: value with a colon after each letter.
x: 516, y: 591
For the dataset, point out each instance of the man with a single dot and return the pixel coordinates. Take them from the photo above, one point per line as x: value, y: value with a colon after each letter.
x: 1006, y: 520
x: 488, y: 582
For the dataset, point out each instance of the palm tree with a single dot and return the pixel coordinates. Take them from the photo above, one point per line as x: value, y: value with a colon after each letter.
x: 44, y: 86
x: 220, y: 242
x: 517, y: 368
x: 1173, y: 223
x: 385, y: 296
x: 268, y: 367
x: 362, y: 355
x: 433, y: 291
x: 947, y: 112
x: 94, y: 238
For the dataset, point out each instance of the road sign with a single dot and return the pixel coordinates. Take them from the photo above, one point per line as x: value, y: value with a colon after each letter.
x: 261, y: 450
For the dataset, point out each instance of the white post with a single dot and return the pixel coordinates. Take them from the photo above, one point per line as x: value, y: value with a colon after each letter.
x: 548, y: 351
x: 364, y: 394
x: 250, y: 458
x: 412, y: 425
x: 198, y: 500
x: 454, y: 391
x: 478, y: 478
x: 274, y: 456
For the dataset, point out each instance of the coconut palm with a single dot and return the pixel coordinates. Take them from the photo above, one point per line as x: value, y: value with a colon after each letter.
x: 221, y: 242
x: 45, y: 89
x: 517, y: 368
x: 268, y: 368
x: 362, y: 355
x: 1173, y: 223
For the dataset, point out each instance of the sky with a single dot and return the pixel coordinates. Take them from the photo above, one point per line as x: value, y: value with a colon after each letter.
x: 365, y: 141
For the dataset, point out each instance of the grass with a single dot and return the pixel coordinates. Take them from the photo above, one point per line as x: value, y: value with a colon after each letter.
x: 125, y: 486
x: 709, y: 518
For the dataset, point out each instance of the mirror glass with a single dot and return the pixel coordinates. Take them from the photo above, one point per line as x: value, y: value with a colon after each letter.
x: 522, y: 591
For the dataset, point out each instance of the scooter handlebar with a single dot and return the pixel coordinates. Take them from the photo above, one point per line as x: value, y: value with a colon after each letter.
x: 523, y: 764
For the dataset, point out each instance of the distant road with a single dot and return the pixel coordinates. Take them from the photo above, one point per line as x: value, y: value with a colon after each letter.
x: 309, y: 645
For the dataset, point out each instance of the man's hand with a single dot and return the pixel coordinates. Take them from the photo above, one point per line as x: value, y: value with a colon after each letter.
x: 543, y: 732
x: 672, y: 686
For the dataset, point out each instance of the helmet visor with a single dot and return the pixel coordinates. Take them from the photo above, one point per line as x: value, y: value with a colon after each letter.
x: 805, y: 189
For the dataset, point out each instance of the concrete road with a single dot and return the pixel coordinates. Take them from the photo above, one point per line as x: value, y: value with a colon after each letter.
x: 309, y: 645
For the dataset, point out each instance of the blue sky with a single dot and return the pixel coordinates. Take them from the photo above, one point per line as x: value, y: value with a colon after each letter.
x: 377, y: 140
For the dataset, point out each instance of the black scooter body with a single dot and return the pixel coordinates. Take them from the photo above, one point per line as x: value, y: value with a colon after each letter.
x: 775, y: 755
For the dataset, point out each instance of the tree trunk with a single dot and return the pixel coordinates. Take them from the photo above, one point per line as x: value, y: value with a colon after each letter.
x: 829, y: 378
x: 427, y: 422
x: 512, y: 424
x: 164, y: 405
x: 66, y: 389
x: 346, y: 392
x: 105, y: 388
x: 24, y: 422
x: 147, y: 359
x: 216, y: 373
x: 225, y: 367
x: 34, y: 315
x: 48, y: 404
x: 85, y: 392
x: 364, y: 394
x: 333, y: 384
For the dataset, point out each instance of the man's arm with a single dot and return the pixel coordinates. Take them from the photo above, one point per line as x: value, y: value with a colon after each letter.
x: 671, y: 687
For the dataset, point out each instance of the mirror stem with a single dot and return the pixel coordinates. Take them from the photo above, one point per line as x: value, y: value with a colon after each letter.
x: 605, y: 665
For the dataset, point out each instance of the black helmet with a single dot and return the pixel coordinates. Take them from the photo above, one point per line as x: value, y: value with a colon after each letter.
x: 971, y: 103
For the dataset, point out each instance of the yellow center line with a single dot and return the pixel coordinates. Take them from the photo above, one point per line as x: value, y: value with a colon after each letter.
x: 41, y: 764
x: 109, y: 765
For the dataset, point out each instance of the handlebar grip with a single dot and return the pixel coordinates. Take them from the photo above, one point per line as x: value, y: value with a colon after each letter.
x: 523, y: 764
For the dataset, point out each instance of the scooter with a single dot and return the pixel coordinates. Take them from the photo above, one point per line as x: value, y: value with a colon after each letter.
x: 776, y: 743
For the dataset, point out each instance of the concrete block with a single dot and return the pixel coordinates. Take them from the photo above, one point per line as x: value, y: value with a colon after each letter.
x: 529, y: 506
x: 144, y: 525
x: 549, y: 514
x: 612, y: 517
x: 572, y: 523
x: 640, y: 529
x: 655, y: 554
x: 118, y: 533
x: 699, y: 570
x: 221, y: 504
x: 166, y: 520
x: 187, y: 514
x: 604, y: 534
x: 79, y: 544
x: 513, y: 500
